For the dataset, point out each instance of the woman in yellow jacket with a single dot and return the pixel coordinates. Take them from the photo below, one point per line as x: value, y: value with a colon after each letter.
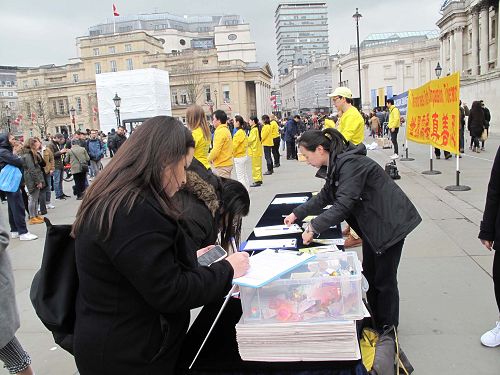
x: 267, y: 143
x: 240, y: 146
x: 255, y: 151
x: 197, y: 123
x: 276, y: 140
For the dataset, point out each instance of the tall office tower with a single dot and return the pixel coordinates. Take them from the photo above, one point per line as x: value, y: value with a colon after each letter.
x: 301, y: 33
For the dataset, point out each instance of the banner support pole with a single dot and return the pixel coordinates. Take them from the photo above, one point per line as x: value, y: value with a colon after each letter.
x: 406, y: 158
x: 457, y: 187
x: 431, y: 171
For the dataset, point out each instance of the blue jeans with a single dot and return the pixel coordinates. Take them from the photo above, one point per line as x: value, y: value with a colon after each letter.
x: 17, y: 219
x: 58, y: 189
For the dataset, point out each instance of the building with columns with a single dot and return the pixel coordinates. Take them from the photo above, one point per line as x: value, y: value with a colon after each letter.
x: 469, y: 38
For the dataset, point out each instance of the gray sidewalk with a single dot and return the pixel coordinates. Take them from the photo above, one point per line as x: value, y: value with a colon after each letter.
x: 446, y: 289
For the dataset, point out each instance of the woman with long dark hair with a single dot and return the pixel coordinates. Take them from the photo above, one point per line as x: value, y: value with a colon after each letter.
x: 475, y: 125
x: 255, y: 151
x: 138, y: 273
x: 267, y: 143
x: 361, y: 193
x: 33, y: 176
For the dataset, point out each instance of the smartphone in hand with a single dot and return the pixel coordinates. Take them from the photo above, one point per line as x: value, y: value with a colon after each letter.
x: 213, y: 255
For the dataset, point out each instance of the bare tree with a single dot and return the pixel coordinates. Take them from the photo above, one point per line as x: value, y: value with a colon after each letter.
x: 36, y: 108
x: 191, y: 79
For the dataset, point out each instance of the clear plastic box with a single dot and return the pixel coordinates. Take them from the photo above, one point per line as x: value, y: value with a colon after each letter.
x: 327, y: 288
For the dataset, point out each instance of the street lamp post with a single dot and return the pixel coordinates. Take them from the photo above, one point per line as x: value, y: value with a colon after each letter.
x: 215, y: 95
x: 357, y: 16
x: 317, y: 104
x: 118, y: 101
x: 72, y: 111
x: 340, y: 74
x: 8, y: 115
x: 438, y: 70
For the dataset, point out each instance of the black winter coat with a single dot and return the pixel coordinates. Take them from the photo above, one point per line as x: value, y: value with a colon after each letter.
x: 490, y: 225
x: 476, y: 122
x: 362, y: 194
x: 6, y: 154
x: 136, y: 291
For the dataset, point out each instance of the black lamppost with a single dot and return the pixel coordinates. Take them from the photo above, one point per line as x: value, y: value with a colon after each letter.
x: 72, y: 111
x: 118, y: 101
x: 317, y: 104
x: 8, y: 115
x: 215, y: 95
x: 438, y: 70
x: 340, y: 74
x: 357, y: 16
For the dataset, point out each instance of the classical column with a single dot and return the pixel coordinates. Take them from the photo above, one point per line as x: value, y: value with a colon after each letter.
x: 451, y: 67
x: 475, y: 42
x: 258, y: 97
x: 442, y: 55
x: 459, y: 40
x: 483, y: 43
x: 497, y: 35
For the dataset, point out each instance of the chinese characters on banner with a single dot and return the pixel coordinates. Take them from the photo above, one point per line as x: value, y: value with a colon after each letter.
x: 433, y: 113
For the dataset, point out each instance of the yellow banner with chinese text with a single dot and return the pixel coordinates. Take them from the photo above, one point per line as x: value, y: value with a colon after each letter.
x: 433, y: 115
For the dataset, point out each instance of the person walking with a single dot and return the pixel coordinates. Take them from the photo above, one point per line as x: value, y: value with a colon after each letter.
x: 394, y: 124
x: 33, y: 177
x: 240, y: 147
x: 255, y: 151
x: 16, y: 360
x: 95, y: 149
x: 276, y: 140
x: 475, y: 124
x: 79, y: 159
x: 349, y: 175
x: 291, y: 133
x: 267, y: 143
x: 489, y: 234
x: 197, y: 123
x: 57, y: 146
x: 15, y: 203
x: 221, y: 155
x: 487, y: 119
x: 48, y: 171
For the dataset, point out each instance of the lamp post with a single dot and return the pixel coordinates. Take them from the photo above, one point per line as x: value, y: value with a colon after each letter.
x: 317, y: 104
x: 357, y: 16
x: 118, y: 101
x: 438, y: 70
x: 215, y: 95
x: 340, y: 74
x: 72, y: 111
x: 8, y: 115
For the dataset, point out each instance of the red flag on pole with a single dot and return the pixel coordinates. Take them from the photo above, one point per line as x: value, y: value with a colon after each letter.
x: 115, y: 11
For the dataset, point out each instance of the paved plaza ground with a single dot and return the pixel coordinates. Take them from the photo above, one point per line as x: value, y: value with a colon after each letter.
x: 446, y: 288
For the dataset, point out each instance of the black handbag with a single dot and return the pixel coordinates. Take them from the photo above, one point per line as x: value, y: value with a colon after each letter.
x: 84, y: 166
x: 54, y: 288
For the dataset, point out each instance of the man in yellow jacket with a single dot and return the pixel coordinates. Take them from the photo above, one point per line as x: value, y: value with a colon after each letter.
x: 267, y: 143
x: 276, y: 140
x: 352, y: 124
x: 394, y: 123
x: 221, y: 156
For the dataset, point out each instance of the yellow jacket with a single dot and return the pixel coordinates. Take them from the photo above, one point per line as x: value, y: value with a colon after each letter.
x: 240, y: 144
x: 267, y: 135
x: 352, y: 126
x: 394, y: 118
x: 201, y: 147
x: 275, y: 129
x: 329, y: 123
x: 254, y: 144
x: 222, y: 151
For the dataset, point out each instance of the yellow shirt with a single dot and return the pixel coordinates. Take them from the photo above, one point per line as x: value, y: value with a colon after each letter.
x: 266, y: 133
x: 275, y: 129
x: 254, y: 144
x: 201, y: 146
x: 352, y: 126
x: 240, y: 144
x: 394, y: 118
x: 222, y: 151
x: 329, y: 123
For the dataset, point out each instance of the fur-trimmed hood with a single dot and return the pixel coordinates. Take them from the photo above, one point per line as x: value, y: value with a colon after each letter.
x: 203, y: 190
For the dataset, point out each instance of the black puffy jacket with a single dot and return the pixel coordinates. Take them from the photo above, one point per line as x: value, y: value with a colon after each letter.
x: 490, y: 225
x: 362, y: 194
x: 6, y: 154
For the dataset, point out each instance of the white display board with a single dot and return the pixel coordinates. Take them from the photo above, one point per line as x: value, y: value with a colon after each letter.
x: 145, y: 93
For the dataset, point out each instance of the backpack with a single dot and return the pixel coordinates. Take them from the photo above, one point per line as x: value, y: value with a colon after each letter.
x: 55, y: 286
x: 392, y: 170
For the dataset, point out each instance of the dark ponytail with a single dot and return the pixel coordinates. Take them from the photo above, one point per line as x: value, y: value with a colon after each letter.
x: 330, y: 139
x: 266, y: 120
x: 243, y: 124
x: 255, y: 119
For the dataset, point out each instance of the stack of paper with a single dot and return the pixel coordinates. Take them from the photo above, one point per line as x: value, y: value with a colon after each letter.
x: 290, y: 342
x: 276, y: 230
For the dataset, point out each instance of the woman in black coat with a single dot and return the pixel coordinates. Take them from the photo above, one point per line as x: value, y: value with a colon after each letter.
x: 138, y: 272
x: 363, y: 195
x: 489, y: 235
x: 475, y: 124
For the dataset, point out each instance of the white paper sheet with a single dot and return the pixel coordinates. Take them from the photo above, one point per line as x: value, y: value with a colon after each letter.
x: 290, y: 200
x: 329, y: 241
x: 276, y: 230
x: 286, y: 243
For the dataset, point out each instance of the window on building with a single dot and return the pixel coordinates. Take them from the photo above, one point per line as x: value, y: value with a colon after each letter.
x: 75, y: 78
x: 128, y: 47
x: 28, y: 109
x: 97, y: 68
x: 8, y: 83
x: 225, y: 93
x: 25, y: 84
x: 208, y: 96
x: 111, y: 49
x: 60, y: 107
x: 1, y: 93
x: 175, y: 100
x: 10, y: 93
x: 35, y: 82
x: 184, y: 99
x: 54, y: 107
x: 79, y: 105
x: 96, y: 51
x: 112, y: 66
x: 130, y: 65
x: 493, y: 28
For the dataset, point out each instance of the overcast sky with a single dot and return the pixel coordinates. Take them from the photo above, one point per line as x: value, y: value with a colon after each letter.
x: 35, y: 32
